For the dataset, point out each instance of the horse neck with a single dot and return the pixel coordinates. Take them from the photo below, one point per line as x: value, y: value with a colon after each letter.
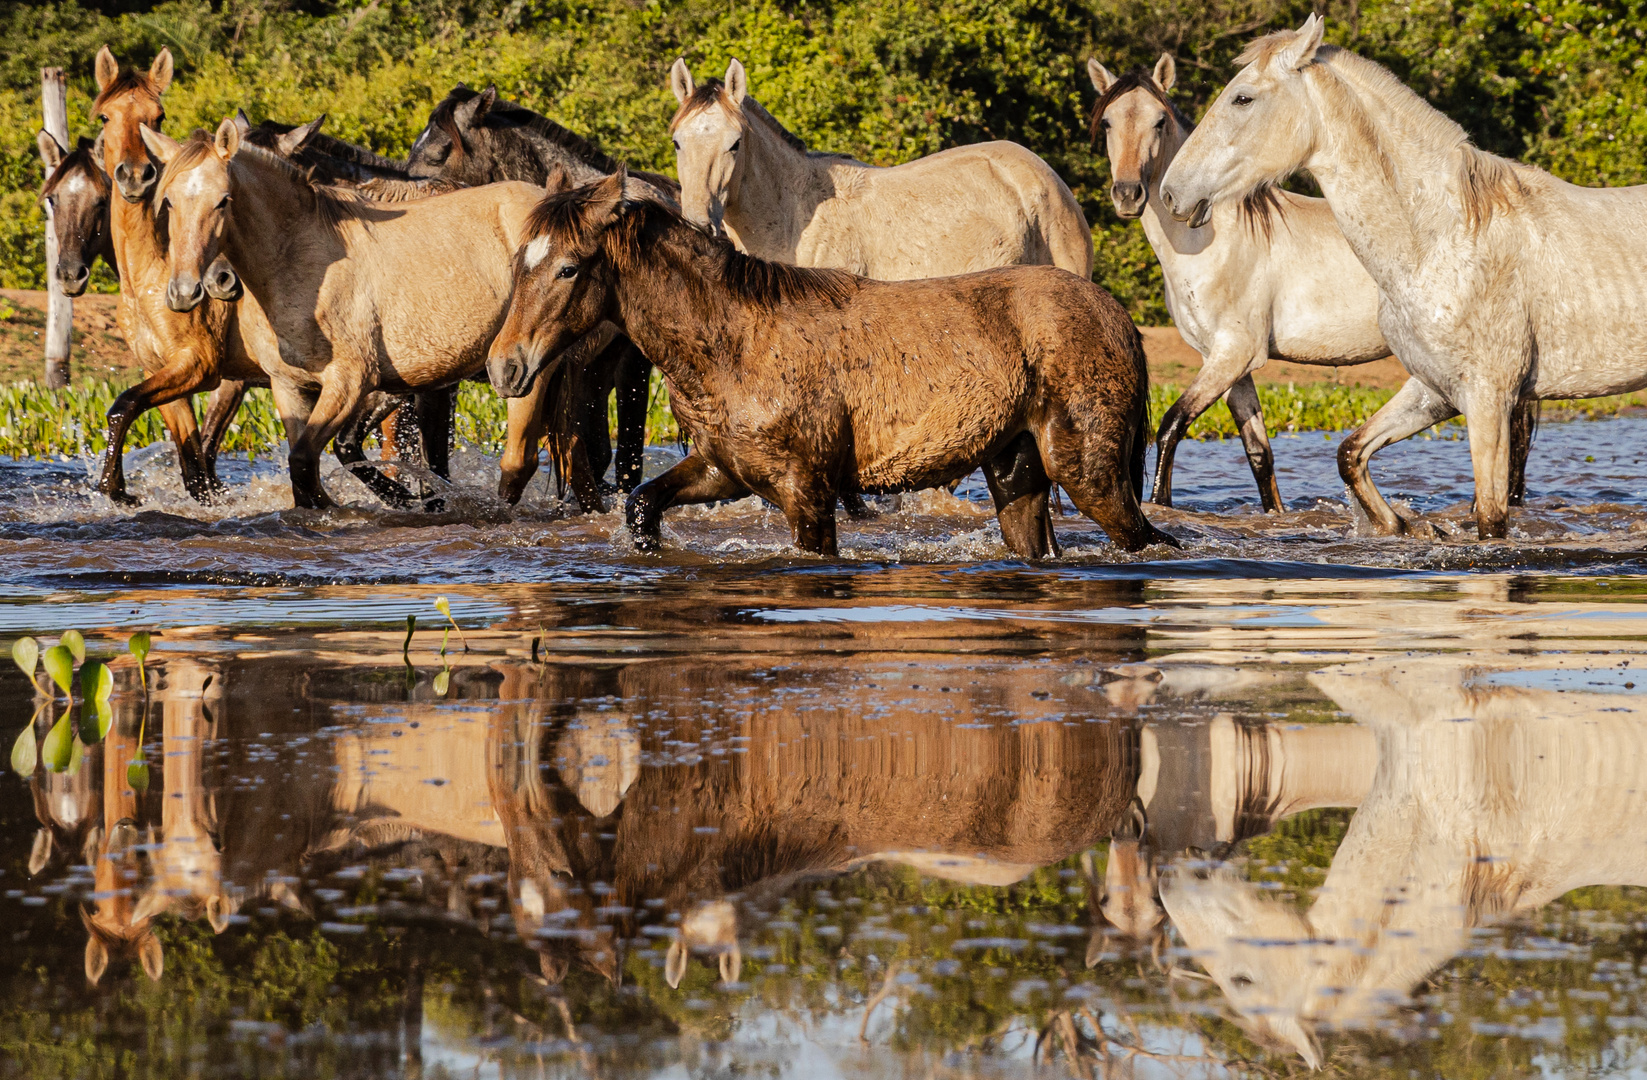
x: 1365, y: 152
x: 1166, y: 235
x: 550, y: 153
x: 268, y: 208
x: 134, y: 239
x: 670, y: 307
x: 771, y: 211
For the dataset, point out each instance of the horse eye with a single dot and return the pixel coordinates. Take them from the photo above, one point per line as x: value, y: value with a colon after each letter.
x: 221, y: 203
x: 1161, y: 124
x: 1242, y: 981
x: 1241, y: 101
x: 677, y: 143
x: 737, y: 143
x: 567, y: 272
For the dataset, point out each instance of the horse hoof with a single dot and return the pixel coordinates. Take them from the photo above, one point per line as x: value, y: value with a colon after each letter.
x: 648, y: 545
x: 121, y: 498
x: 434, y: 506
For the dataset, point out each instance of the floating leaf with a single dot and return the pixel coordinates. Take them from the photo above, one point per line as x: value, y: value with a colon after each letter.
x: 77, y: 757
x: 23, y: 752
x: 96, y: 682
x: 59, y: 745
x: 138, y: 646
x: 96, y: 717
x: 443, y: 682
x: 59, y: 664
x: 75, y: 643
x: 137, y: 775
x: 25, y: 651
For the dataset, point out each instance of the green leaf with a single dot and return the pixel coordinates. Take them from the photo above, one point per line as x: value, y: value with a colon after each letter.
x: 59, y: 664
x: 443, y: 682
x: 138, y: 646
x: 25, y: 651
x: 137, y: 775
x: 77, y: 757
x: 23, y: 752
x: 75, y: 643
x: 96, y: 717
x: 59, y: 745
x: 96, y: 682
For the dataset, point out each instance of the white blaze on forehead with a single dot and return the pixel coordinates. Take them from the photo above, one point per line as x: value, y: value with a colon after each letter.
x: 536, y: 252
x: 531, y: 899
x: 77, y: 182
x: 705, y: 122
x: 194, y: 183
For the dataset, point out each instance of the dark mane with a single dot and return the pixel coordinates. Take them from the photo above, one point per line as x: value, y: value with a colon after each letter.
x: 79, y: 159
x: 127, y: 80
x: 332, y: 204
x: 1136, y: 80
x: 444, y: 117
x: 642, y: 223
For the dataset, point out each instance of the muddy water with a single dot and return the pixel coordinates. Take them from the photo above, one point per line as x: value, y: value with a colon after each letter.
x: 1289, y: 797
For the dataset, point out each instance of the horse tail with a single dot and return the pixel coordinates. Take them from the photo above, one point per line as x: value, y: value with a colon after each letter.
x: 1140, y: 427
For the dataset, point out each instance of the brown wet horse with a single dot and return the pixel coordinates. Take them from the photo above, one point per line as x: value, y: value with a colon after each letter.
x: 801, y: 384
x: 364, y: 296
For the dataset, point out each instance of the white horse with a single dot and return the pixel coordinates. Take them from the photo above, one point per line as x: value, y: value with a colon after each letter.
x: 970, y: 208
x: 1499, y: 283
x: 1490, y: 799
x: 1269, y: 277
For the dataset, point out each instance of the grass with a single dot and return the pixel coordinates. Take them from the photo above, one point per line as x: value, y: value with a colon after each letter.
x: 39, y: 423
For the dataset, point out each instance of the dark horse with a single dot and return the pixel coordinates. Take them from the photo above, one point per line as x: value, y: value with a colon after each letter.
x: 478, y: 138
x: 802, y: 384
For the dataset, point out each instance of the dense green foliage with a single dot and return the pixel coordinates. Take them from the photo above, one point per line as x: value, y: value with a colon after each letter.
x: 1557, y: 82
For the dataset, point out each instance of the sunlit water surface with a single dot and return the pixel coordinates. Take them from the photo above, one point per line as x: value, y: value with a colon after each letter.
x: 1289, y: 797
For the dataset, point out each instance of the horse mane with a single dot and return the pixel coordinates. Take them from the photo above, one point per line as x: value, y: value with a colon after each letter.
x: 713, y: 91
x: 641, y: 223
x: 1486, y: 183
x: 333, y: 205
x: 444, y: 117
x: 127, y: 81
x: 79, y: 159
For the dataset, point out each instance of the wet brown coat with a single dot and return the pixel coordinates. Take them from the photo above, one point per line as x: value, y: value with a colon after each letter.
x: 801, y: 385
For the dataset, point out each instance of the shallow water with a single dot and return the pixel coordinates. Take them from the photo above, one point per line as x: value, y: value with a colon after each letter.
x: 1289, y: 796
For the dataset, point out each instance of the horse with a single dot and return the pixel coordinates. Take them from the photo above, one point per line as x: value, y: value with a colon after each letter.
x: 341, y: 276
x: 1489, y: 800
x: 1268, y: 278
x: 744, y: 176
x: 479, y: 138
x: 1498, y: 283
x: 801, y: 384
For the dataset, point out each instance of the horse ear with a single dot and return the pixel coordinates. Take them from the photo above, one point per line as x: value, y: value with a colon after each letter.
x: 1102, y: 80
x: 160, y: 72
x: 97, y: 959
x: 51, y: 152
x: 1166, y: 72
x: 1095, y: 947
x: 153, y: 956
x: 731, y: 964
x: 243, y: 122
x: 674, y: 965
x: 217, y: 912
x: 483, y: 104
x: 558, y: 179
x: 605, y: 198
x: 680, y: 80
x: 161, y: 145
x: 294, y: 140
x: 106, y: 68
x: 227, y: 141
x: 554, y: 968
x: 40, y: 854
x: 1300, y: 52
x: 737, y: 82
x: 1293, y: 1032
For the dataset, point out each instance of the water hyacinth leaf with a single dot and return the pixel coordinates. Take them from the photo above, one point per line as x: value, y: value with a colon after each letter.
x: 25, y: 653
x: 24, y: 753
x: 77, y: 757
x: 59, y: 745
x: 138, y: 646
x: 59, y: 664
x: 443, y: 682
x: 96, y: 717
x: 75, y: 643
x: 96, y: 682
x: 137, y: 775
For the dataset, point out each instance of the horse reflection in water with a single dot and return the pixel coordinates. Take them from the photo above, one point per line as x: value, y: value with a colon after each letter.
x: 1494, y: 795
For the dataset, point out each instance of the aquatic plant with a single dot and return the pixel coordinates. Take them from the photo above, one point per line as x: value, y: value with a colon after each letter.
x: 65, y: 742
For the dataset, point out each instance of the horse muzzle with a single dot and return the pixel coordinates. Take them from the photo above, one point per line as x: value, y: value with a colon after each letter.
x: 1128, y: 196
x: 1195, y: 214
x: 513, y: 372
x: 183, y: 295
x: 72, y: 277
x: 221, y: 283
x: 135, y: 181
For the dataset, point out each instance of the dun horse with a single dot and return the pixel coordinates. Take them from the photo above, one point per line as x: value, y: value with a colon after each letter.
x: 1268, y: 278
x: 1499, y: 282
x: 801, y: 385
x: 365, y: 296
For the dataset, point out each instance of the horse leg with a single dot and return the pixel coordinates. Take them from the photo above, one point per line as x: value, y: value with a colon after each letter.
x: 810, y: 511
x: 1242, y: 399
x: 1413, y: 408
x: 1523, y: 425
x: 634, y: 386
x: 689, y: 480
x: 350, y: 447
x: 1094, y: 469
x: 1218, y: 373
x: 1021, y: 489
x: 520, y: 446
x: 183, y: 373
x: 295, y: 405
x: 1489, y: 427
x: 590, y: 388
x: 342, y: 391
x: 198, y: 479
x: 220, y: 411
x: 433, y: 409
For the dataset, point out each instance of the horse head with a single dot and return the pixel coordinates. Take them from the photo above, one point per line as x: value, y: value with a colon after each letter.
x: 128, y: 101
x: 453, y: 145
x: 77, y: 198
x: 709, y: 132
x: 1141, y: 129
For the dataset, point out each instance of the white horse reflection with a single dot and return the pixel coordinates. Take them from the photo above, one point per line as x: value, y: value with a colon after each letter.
x: 1498, y: 790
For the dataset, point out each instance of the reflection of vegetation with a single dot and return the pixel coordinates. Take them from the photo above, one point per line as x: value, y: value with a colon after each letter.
x: 65, y: 743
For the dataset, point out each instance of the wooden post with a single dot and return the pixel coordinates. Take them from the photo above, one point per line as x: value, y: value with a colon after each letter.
x: 54, y: 107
